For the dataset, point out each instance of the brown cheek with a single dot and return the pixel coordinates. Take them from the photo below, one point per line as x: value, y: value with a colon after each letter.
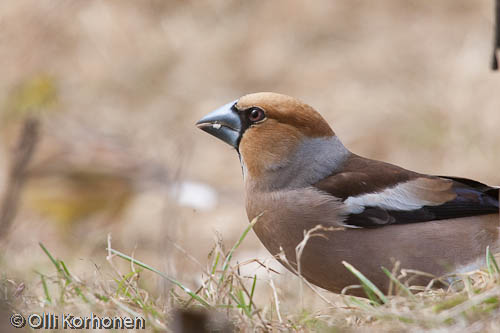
x: 267, y: 145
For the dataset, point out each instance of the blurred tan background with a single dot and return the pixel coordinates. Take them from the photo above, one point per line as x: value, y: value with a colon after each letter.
x: 118, y: 85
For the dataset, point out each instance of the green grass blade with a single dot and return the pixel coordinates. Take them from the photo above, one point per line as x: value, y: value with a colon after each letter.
x: 122, y: 284
x: 491, y: 263
x: 216, y: 261
x: 241, y: 304
x: 45, y: 289
x: 367, y: 284
x: 398, y: 283
x: 238, y: 243
x: 80, y: 293
x: 67, y: 276
x: 65, y: 271
x: 252, y: 291
x: 54, y: 261
x: 361, y: 304
x: 370, y: 294
x: 168, y: 278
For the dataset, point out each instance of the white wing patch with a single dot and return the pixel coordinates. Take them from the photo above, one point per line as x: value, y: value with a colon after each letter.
x: 402, y: 197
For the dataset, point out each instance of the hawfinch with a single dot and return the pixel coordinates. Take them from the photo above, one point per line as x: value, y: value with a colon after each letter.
x: 299, y: 175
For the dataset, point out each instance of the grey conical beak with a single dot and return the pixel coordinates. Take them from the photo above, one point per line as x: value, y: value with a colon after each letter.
x: 223, y: 123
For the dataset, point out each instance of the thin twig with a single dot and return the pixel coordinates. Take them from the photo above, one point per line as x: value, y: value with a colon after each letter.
x: 17, y: 174
x: 496, y: 37
x: 299, y: 249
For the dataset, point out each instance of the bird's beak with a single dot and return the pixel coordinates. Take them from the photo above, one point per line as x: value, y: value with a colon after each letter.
x: 223, y: 123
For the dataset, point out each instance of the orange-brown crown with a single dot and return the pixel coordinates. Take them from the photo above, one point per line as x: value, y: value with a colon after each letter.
x: 290, y: 111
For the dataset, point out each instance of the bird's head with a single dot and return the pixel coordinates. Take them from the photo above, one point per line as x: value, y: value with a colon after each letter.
x: 270, y: 131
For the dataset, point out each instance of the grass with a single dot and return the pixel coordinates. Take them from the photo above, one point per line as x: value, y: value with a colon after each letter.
x: 471, y: 301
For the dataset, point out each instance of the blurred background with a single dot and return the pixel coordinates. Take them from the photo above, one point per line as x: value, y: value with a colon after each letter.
x: 113, y: 89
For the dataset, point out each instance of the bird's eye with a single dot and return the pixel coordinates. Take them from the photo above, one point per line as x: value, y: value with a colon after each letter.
x: 256, y: 115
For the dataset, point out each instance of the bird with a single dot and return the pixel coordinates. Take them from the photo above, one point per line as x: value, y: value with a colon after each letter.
x: 300, y: 179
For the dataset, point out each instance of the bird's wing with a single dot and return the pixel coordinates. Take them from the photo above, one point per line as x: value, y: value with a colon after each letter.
x: 376, y: 193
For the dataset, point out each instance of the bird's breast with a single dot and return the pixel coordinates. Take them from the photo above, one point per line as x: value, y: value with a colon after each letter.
x: 288, y: 214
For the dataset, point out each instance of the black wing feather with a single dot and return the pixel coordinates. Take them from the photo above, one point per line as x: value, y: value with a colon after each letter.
x: 473, y: 198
